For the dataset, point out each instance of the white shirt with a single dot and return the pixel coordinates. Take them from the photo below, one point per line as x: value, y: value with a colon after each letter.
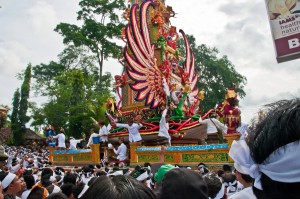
x: 108, y: 128
x: 73, y: 144
x: 121, y: 152
x: 211, y: 128
x: 246, y: 193
x: 164, y: 126
x: 91, y: 139
x: 103, y: 134
x: 134, y: 135
x: 61, y: 140
x: 25, y: 194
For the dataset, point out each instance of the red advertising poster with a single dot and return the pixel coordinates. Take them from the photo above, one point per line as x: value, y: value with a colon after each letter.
x: 284, y: 18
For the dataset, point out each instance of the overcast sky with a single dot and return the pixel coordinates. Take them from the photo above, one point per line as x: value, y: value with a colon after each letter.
x: 238, y: 28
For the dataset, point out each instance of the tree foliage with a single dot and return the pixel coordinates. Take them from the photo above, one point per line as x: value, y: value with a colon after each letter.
x: 20, y: 104
x: 74, y: 92
x: 101, y: 24
x: 215, y: 73
x: 14, y: 115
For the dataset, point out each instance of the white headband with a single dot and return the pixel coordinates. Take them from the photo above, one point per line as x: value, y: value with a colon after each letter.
x: 221, y: 192
x: 282, y: 165
x: 143, y: 176
x: 8, y: 180
x: 85, y: 188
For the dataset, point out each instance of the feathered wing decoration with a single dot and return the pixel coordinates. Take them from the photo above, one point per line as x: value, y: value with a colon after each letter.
x: 189, y: 68
x: 139, y: 54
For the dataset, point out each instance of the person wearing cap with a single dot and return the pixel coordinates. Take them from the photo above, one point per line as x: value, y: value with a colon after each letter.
x: 273, y: 157
x: 133, y: 129
x: 11, y: 185
x: 159, y: 176
x: 74, y: 142
x: 61, y: 139
x: 238, y: 149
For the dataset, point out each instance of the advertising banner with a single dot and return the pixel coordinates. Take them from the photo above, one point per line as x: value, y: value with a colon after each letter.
x: 284, y: 17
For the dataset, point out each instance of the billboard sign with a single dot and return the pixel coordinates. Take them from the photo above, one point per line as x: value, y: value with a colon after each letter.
x: 284, y: 17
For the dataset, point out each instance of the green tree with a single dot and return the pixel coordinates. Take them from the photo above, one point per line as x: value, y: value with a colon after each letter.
x: 101, y: 24
x: 15, y: 124
x: 20, y: 104
x: 215, y: 73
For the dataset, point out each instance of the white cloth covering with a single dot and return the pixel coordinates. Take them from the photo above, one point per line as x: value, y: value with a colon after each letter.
x: 61, y: 140
x: 91, y: 139
x: 164, y: 126
x: 25, y: 194
x: 282, y: 165
x: 103, y: 134
x: 134, y: 134
x: 8, y: 180
x: 73, y: 143
x: 246, y: 193
x: 121, y: 152
x: 211, y: 128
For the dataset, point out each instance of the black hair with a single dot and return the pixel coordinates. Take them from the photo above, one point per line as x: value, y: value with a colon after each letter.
x: 91, y: 181
x: 45, y: 180
x: 47, y: 171
x: 118, y: 187
x: 220, y: 173
x: 57, y: 196
x: 214, y: 184
x: 69, y: 178
x: 30, y: 181
x: 227, y: 167
x: 101, y: 173
x: 183, y: 183
x: 36, y: 192
x: 280, y: 127
x: 246, y: 177
x: 67, y: 189
x: 146, y: 164
x: 77, y: 189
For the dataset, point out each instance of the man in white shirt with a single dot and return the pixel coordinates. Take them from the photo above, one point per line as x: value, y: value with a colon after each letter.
x: 61, y: 139
x: 122, y: 150
x: 73, y: 143
x: 212, y: 124
x: 103, y: 131
x: 133, y: 129
x: 164, y: 126
x: 92, y: 135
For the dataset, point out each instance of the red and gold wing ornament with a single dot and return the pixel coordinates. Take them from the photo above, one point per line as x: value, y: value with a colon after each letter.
x: 139, y: 55
x: 189, y: 68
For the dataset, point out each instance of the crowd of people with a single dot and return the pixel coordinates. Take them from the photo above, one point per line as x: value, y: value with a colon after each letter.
x: 266, y: 166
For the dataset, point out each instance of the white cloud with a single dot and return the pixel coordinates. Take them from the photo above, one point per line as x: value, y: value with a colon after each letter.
x: 238, y: 28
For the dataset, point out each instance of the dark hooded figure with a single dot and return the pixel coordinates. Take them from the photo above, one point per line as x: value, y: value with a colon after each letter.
x: 183, y: 183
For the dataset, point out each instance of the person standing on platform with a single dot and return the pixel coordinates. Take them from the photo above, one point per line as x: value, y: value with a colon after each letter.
x: 164, y: 126
x: 73, y: 143
x: 133, y: 129
x: 61, y: 139
x: 92, y: 135
x: 103, y: 132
